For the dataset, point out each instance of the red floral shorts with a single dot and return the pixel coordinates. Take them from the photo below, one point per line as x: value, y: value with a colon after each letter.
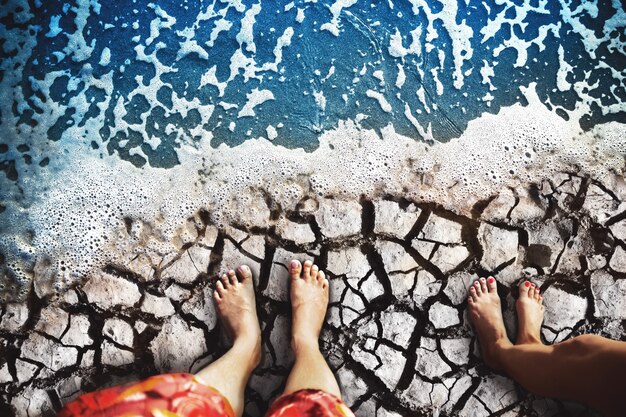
x: 182, y: 395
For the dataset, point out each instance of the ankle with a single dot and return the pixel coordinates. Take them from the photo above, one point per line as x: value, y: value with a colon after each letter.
x: 249, y: 348
x: 528, y: 339
x: 493, y: 353
x: 304, y: 344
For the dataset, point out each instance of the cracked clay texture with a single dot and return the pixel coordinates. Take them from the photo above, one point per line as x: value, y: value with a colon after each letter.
x: 396, y: 334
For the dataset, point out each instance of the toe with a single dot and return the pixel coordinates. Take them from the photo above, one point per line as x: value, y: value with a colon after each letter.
x: 483, y: 285
x: 472, y: 294
x: 225, y: 283
x: 491, y: 284
x: 314, y: 270
x: 219, y: 289
x: 307, y: 270
x: 537, y: 293
x: 294, y: 269
x: 245, y: 274
x: 325, y: 283
x: 531, y: 291
x: 232, y: 277
x: 216, y: 295
x: 321, y: 277
x: 523, y: 288
x: 477, y: 288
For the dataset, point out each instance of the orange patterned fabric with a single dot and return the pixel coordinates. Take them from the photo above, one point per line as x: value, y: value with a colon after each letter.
x: 309, y: 403
x: 168, y: 395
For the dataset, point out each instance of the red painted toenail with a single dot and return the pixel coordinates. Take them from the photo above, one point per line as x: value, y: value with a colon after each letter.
x: 472, y: 289
x: 532, y: 285
x: 491, y: 280
x: 527, y: 284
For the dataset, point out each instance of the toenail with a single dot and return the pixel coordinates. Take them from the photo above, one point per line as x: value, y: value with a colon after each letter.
x: 482, y: 279
x: 527, y: 284
x: 491, y: 280
x: 532, y: 285
x: 472, y: 289
x: 294, y: 264
x: 475, y: 282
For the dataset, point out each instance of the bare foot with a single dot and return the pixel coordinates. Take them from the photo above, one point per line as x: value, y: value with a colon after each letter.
x: 235, y: 300
x: 530, y: 310
x: 309, y: 300
x: 486, y: 314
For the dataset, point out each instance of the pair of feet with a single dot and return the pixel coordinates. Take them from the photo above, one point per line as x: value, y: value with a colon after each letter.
x: 235, y: 300
x: 486, y: 315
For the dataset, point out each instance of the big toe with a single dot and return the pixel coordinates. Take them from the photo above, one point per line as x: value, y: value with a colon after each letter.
x: 295, y: 268
x: 524, y: 289
x: 245, y: 274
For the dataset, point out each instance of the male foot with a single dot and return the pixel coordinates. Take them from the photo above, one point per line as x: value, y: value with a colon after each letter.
x: 309, y: 301
x: 486, y: 315
x: 530, y: 310
x: 236, y: 307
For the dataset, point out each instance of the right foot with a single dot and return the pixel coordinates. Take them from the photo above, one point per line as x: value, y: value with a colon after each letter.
x: 486, y: 314
x: 529, y: 314
x: 309, y: 300
x: 236, y: 307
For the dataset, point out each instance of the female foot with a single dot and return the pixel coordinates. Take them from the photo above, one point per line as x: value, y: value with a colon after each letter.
x: 309, y: 300
x: 486, y: 315
x: 530, y: 310
x: 236, y: 307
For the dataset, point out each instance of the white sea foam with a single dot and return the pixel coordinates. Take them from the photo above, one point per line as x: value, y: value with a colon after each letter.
x: 486, y: 72
x: 77, y: 206
x: 564, y: 70
x: 401, y: 78
x: 300, y: 15
x: 320, y: 99
x: 76, y: 44
x: 271, y: 132
x: 246, y: 35
x: 382, y: 101
x: 105, y: 57
x: 255, y: 97
x: 54, y: 26
x: 162, y: 21
x: 335, y: 10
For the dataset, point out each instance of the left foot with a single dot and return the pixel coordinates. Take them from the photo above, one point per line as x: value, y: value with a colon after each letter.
x: 486, y: 314
x: 236, y: 306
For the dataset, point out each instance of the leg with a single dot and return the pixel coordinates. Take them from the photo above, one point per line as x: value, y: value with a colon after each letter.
x: 587, y: 368
x: 309, y: 300
x: 237, y: 310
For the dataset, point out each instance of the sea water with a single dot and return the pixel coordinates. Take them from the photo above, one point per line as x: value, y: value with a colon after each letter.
x: 154, y: 110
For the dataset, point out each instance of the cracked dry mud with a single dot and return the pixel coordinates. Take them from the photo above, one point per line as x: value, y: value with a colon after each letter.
x: 397, y: 332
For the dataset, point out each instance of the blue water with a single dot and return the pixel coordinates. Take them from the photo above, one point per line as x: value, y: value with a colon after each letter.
x: 363, y: 42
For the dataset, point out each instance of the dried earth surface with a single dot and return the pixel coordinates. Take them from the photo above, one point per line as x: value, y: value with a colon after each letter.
x: 397, y: 333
